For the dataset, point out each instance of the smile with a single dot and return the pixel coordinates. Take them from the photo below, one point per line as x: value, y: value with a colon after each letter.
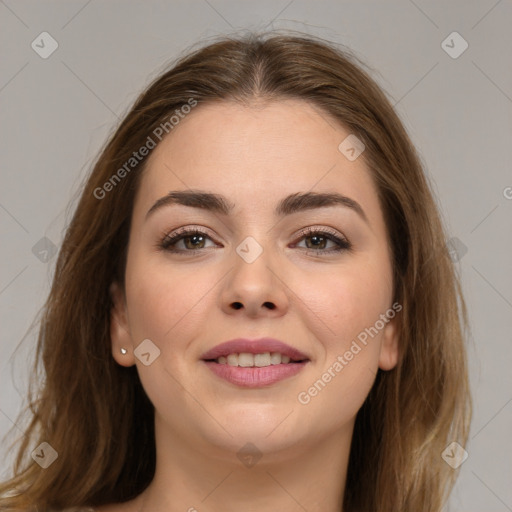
x: 255, y: 370
x: 247, y: 360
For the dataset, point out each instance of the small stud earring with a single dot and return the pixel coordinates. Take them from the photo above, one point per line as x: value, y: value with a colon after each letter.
x: 123, y: 351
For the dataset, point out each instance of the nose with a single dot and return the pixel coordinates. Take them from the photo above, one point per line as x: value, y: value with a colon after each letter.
x: 255, y: 288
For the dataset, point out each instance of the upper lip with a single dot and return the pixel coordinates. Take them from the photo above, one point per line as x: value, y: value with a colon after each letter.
x: 258, y: 346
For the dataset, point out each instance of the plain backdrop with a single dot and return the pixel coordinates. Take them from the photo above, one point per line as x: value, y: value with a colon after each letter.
x: 57, y: 111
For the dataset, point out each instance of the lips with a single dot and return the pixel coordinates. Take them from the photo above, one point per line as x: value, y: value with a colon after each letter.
x: 259, y: 346
x: 254, y: 363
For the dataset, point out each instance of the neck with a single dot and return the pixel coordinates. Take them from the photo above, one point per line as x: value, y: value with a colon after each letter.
x: 196, y: 477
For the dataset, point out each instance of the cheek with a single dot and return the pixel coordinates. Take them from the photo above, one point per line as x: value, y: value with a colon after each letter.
x: 348, y: 356
x: 347, y: 306
x: 344, y: 301
x: 165, y: 302
x: 168, y: 307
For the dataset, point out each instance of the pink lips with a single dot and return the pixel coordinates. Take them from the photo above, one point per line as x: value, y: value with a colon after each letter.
x: 254, y: 347
x: 254, y: 377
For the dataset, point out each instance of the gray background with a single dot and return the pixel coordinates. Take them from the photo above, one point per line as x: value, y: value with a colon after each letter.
x: 57, y: 112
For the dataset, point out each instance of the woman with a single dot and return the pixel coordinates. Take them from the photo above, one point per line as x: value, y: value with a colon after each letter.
x: 253, y: 306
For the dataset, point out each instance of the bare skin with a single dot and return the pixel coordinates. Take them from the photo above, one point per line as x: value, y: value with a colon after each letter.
x: 184, y: 303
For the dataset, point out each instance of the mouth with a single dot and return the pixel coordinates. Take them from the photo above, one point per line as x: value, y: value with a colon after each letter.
x: 254, y: 363
x: 255, y: 376
x: 261, y: 360
x: 246, y: 353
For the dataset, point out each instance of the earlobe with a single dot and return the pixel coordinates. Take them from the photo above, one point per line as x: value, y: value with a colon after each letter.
x: 389, y: 347
x: 121, y: 340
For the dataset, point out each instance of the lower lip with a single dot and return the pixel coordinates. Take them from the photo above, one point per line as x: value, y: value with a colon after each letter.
x: 255, y: 377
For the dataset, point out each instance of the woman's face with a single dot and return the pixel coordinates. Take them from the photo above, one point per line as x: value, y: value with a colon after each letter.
x: 253, y: 272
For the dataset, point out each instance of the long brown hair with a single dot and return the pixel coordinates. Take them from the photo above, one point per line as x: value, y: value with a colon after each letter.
x: 90, y: 409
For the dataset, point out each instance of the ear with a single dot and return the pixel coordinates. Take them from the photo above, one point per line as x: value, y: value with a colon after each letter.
x: 119, y: 327
x: 388, y: 357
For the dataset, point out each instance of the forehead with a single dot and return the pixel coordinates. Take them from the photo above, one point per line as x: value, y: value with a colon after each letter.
x: 256, y: 154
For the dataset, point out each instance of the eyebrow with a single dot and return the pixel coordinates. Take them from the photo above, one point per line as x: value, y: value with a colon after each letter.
x: 294, y: 203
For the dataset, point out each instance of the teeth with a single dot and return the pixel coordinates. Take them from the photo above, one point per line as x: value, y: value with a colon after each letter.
x: 246, y: 360
x: 232, y: 360
x: 275, y: 358
x: 262, y: 359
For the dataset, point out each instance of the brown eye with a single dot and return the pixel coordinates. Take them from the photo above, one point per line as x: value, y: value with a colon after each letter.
x: 193, y: 240
x: 317, y: 240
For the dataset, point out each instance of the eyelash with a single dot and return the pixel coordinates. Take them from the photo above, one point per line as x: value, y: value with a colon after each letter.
x: 343, y: 244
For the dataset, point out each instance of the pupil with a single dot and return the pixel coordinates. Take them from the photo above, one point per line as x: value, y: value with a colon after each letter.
x: 316, y: 238
x: 194, y: 237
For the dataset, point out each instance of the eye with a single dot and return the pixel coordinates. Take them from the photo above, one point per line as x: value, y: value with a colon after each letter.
x: 193, y: 239
x: 319, y: 238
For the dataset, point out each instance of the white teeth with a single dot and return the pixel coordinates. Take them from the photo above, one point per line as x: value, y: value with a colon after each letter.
x: 246, y: 360
x: 262, y: 359
x: 275, y: 358
x: 232, y: 360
